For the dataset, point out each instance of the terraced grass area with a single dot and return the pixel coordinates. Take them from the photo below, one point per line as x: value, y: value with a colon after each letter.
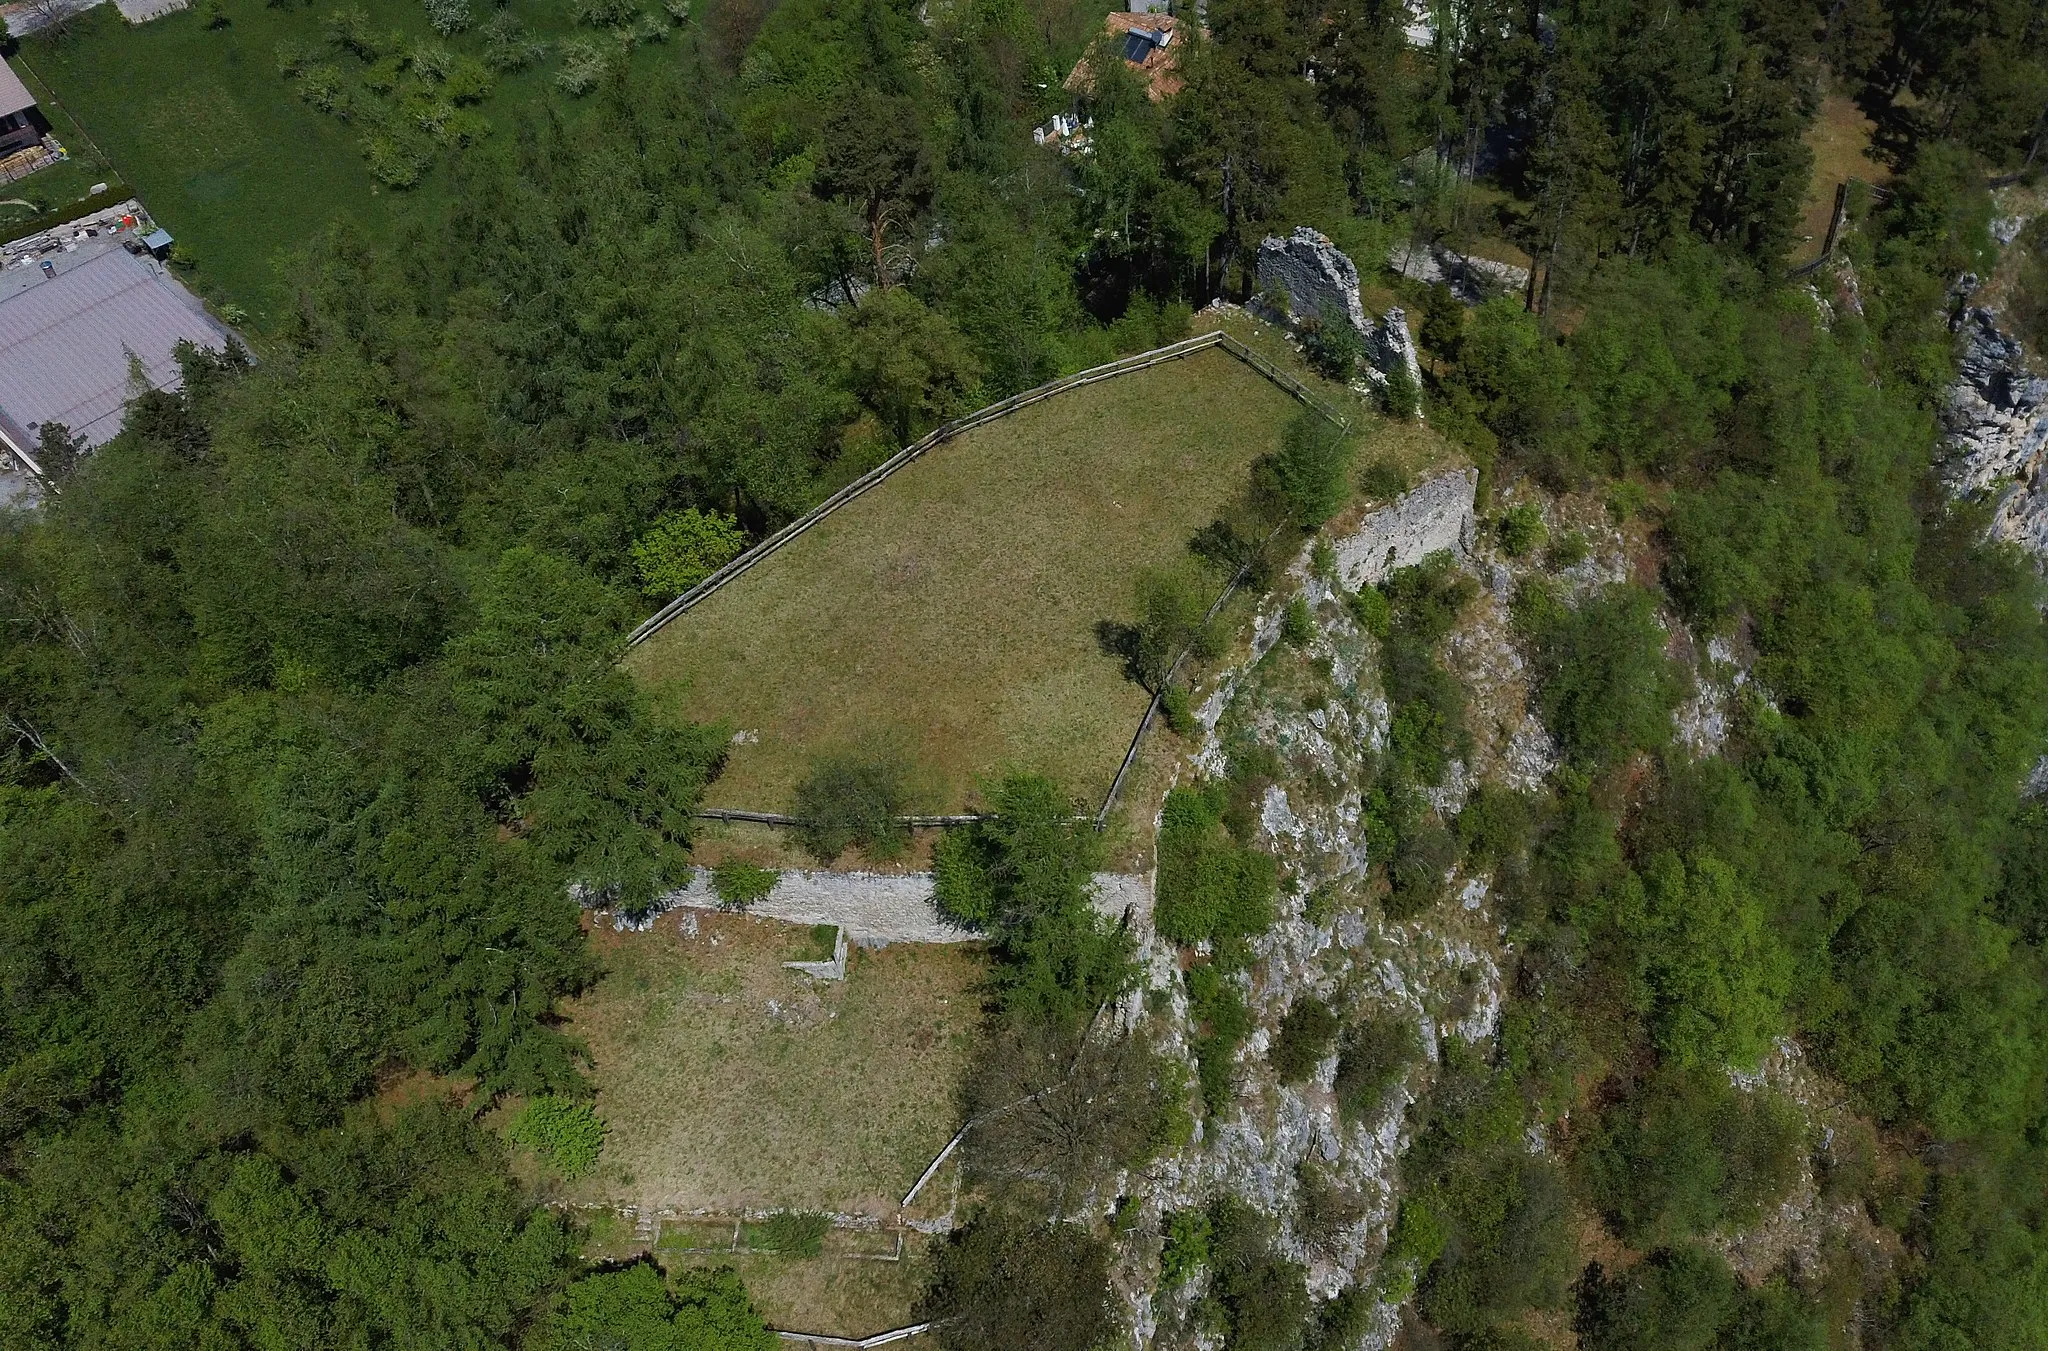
x: 953, y: 610
x: 729, y: 1083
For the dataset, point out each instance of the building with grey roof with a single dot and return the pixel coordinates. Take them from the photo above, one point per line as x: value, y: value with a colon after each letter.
x: 83, y: 328
x: 20, y: 124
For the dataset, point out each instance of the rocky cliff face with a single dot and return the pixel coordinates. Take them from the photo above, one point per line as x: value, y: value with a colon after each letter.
x: 1996, y: 419
x: 1997, y: 426
x: 1314, y: 275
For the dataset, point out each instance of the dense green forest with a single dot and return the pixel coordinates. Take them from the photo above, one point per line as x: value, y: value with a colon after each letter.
x: 310, y: 718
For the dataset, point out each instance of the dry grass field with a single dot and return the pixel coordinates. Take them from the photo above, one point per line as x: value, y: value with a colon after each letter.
x: 729, y: 1083
x: 952, y: 611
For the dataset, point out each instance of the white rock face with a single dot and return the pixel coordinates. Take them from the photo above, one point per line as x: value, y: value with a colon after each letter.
x: 1997, y: 425
x: 1318, y: 279
x: 1472, y: 280
x: 1389, y: 344
x: 1436, y: 516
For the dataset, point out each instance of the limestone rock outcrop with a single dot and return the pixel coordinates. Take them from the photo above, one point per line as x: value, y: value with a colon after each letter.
x: 1314, y: 275
x: 1436, y: 516
x: 1997, y: 427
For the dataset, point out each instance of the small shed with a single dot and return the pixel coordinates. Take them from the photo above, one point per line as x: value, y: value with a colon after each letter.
x: 158, y: 242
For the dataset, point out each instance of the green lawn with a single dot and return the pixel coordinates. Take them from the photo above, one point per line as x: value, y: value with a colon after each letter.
x: 953, y: 609
x: 220, y: 148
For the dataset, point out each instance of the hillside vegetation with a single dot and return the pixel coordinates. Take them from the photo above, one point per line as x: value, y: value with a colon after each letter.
x: 313, y: 733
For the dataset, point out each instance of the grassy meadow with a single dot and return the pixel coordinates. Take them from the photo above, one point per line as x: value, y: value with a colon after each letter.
x: 730, y: 1083
x: 953, y: 609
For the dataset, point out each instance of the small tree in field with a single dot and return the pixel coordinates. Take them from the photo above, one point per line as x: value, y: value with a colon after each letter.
x: 853, y: 799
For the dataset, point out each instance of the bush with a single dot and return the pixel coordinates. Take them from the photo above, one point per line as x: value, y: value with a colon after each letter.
x: 1308, y: 478
x: 1567, y: 551
x: 569, y: 1134
x: 1172, y: 621
x: 1208, y: 887
x: 1179, y: 712
x: 584, y: 63
x: 1520, y: 529
x: 1604, y: 687
x: 508, y: 45
x: 739, y: 884
x: 1374, y: 1056
x: 1297, y: 626
x: 1686, y: 1154
x: 853, y: 800
x: 1383, y: 479
x: 684, y: 548
x: 1263, y: 1296
x: 1303, y: 1040
x: 1370, y: 610
x: 448, y: 17
x: 793, y: 1233
x: 1003, y: 1274
x: 1187, y: 1246
x: 1399, y: 396
x: 1334, y: 348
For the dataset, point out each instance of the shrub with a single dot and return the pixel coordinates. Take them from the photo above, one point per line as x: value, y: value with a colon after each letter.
x: 1308, y: 478
x: 793, y: 1233
x: 1520, y: 529
x: 685, y: 547
x: 1400, y: 397
x: 1334, y: 347
x: 1222, y: 1022
x: 1172, y: 620
x: 1567, y: 551
x: 739, y: 884
x: 1370, y: 610
x: 584, y: 63
x: 1180, y: 714
x: 1424, y: 854
x: 1187, y: 1246
x: 1263, y: 1295
x: 448, y: 17
x: 1003, y: 1273
x: 351, y: 30
x: 605, y: 13
x: 1208, y: 887
x: 853, y: 800
x: 1304, y: 1039
x: 569, y: 1134
x: 1374, y: 1056
x: 1686, y: 1154
x: 1604, y: 687
x: 1383, y: 479
x: 1296, y: 624
x: 508, y: 45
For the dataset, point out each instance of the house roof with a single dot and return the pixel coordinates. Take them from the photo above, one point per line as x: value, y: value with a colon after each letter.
x: 14, y: 95
x: 66, y: 340
x: 1150, y: 44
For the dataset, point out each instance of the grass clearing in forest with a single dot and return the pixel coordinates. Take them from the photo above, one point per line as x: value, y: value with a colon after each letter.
x: 1840, y: 139
x: 729, y: 1083
x: 954, y: 608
